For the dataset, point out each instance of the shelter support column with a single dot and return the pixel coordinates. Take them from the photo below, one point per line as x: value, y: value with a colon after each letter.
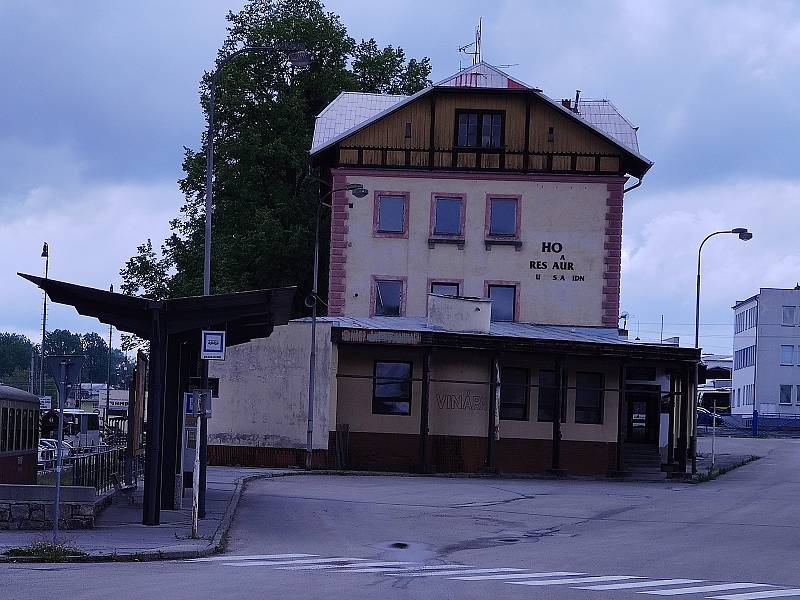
x: 673, y: 390
x: 172, y: 421
x: 424, y: 429
x: 154, y: 457
x: 621, y: 405
x: 558, y: 409
x: 494, y: 409
x: 683, y: 437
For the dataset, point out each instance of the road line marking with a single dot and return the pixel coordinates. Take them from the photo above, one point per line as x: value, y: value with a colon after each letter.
x: 345, y: 568
x: 639, y: 584
x: 249, y: 557
x: 399, y: 571
x: 574, y: 580
x: 757, y: 595
x: 704, y: 588
x: 464, y: 572
x: 306, y: 561
x: 517, y: 576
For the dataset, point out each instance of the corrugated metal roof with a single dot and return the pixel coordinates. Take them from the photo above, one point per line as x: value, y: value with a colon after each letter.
x: 566, y: 333
x: 605, y: 116
x: 348, y: 110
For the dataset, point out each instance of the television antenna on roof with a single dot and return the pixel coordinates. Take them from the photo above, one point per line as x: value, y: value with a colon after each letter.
x: 473, y: 48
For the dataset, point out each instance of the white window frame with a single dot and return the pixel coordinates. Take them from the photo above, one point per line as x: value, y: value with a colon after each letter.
x: 783, y: 360
x: 783, y: 315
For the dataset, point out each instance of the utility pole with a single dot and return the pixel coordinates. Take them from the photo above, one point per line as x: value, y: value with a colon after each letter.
x: 31, y: 379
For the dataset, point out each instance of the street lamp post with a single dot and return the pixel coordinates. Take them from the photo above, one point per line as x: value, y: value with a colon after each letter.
x: 298, y: 57
x: 358, y: 191
x: 743, y: 235
x: 46, y: 257
x: 108, y: 373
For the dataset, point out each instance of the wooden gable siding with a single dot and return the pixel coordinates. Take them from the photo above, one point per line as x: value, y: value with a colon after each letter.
x: 390, y: 131
x: 568, y: 136
x: 574, y: 148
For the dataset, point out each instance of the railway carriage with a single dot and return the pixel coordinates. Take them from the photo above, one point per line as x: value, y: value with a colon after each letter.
x: 19, y: 435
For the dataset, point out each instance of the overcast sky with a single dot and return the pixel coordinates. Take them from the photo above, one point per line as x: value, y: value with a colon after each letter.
x: 100, y: 97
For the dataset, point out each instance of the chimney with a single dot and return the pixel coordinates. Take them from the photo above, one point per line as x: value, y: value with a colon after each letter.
x: 577, y: 99
x: 566, y: 103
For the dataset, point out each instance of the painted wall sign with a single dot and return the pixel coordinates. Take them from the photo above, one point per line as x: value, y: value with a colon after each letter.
x: 556, y: 268
x: 464, y: 400
x: 381, y: 337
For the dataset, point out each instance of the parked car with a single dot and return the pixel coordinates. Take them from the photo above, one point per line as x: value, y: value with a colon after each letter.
x: 46, y: 455
x: 66, y: 449
x: 706, y: 418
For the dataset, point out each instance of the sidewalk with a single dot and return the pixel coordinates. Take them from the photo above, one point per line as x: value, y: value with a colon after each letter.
x: 119, y: 534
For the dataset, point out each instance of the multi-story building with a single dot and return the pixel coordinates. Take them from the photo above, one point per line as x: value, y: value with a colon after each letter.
x: 766, y: 354
x: 473, y: 296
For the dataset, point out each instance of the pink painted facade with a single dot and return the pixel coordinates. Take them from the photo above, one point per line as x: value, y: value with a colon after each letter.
x: 564, y: 259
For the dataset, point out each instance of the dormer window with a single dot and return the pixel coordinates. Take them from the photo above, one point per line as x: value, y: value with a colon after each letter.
x: 480, y: 129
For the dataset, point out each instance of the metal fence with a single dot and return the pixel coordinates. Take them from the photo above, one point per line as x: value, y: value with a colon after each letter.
x: 96, y: 469
x: 101, y: 469
x: 773, y: 422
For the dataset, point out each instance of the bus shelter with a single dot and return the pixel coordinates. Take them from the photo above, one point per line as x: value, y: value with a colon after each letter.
x: 173, y: 327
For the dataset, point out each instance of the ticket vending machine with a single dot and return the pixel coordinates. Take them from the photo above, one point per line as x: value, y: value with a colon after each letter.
x: 189, y: 440
x: 190, y: 431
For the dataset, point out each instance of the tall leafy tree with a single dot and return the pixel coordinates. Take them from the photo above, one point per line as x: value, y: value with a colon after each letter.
x: 146, y: 274
x: 63, y: 342
x: 264, y: 118
x: 15, y: 353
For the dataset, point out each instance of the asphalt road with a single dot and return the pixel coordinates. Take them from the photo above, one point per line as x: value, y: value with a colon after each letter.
x: 408, y: 537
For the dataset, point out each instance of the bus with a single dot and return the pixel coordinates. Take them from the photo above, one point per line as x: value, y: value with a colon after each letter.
x: 81, y: 428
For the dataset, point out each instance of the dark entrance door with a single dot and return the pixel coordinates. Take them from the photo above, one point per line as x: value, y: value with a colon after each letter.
x: 643, y: 413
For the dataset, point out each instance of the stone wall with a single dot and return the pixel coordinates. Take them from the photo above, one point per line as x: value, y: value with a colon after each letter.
x: 39, y: 515
x: 31, y: 507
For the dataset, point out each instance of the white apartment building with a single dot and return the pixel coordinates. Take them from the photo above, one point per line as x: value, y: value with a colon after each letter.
x: 766, y: 353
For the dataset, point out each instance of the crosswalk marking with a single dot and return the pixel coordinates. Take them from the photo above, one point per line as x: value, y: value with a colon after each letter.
x: 517, y: 576
x: 638, y: 584
x: 248, y: 557
x: 343, y: 568
x: 399, y: 571
x: 574, y: 580
x: 301, y: 561
x: 762, y: 594
x: 704, y: 588
x: 512, y: 576
x: 464, y: 572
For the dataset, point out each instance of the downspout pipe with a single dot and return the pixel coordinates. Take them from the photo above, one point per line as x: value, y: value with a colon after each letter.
x: 634, y: 186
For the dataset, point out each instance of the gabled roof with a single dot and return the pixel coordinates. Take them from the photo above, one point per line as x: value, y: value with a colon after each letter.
x: 351, y: 112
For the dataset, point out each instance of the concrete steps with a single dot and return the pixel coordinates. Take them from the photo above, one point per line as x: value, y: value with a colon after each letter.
x: 641, y: 461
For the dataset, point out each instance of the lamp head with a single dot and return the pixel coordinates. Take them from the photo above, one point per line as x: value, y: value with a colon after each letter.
x: 358, y: 190
x: 300, y: 58
x: 739, y: 230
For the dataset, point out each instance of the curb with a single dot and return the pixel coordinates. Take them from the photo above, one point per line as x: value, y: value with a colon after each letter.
x: 215, y: 544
